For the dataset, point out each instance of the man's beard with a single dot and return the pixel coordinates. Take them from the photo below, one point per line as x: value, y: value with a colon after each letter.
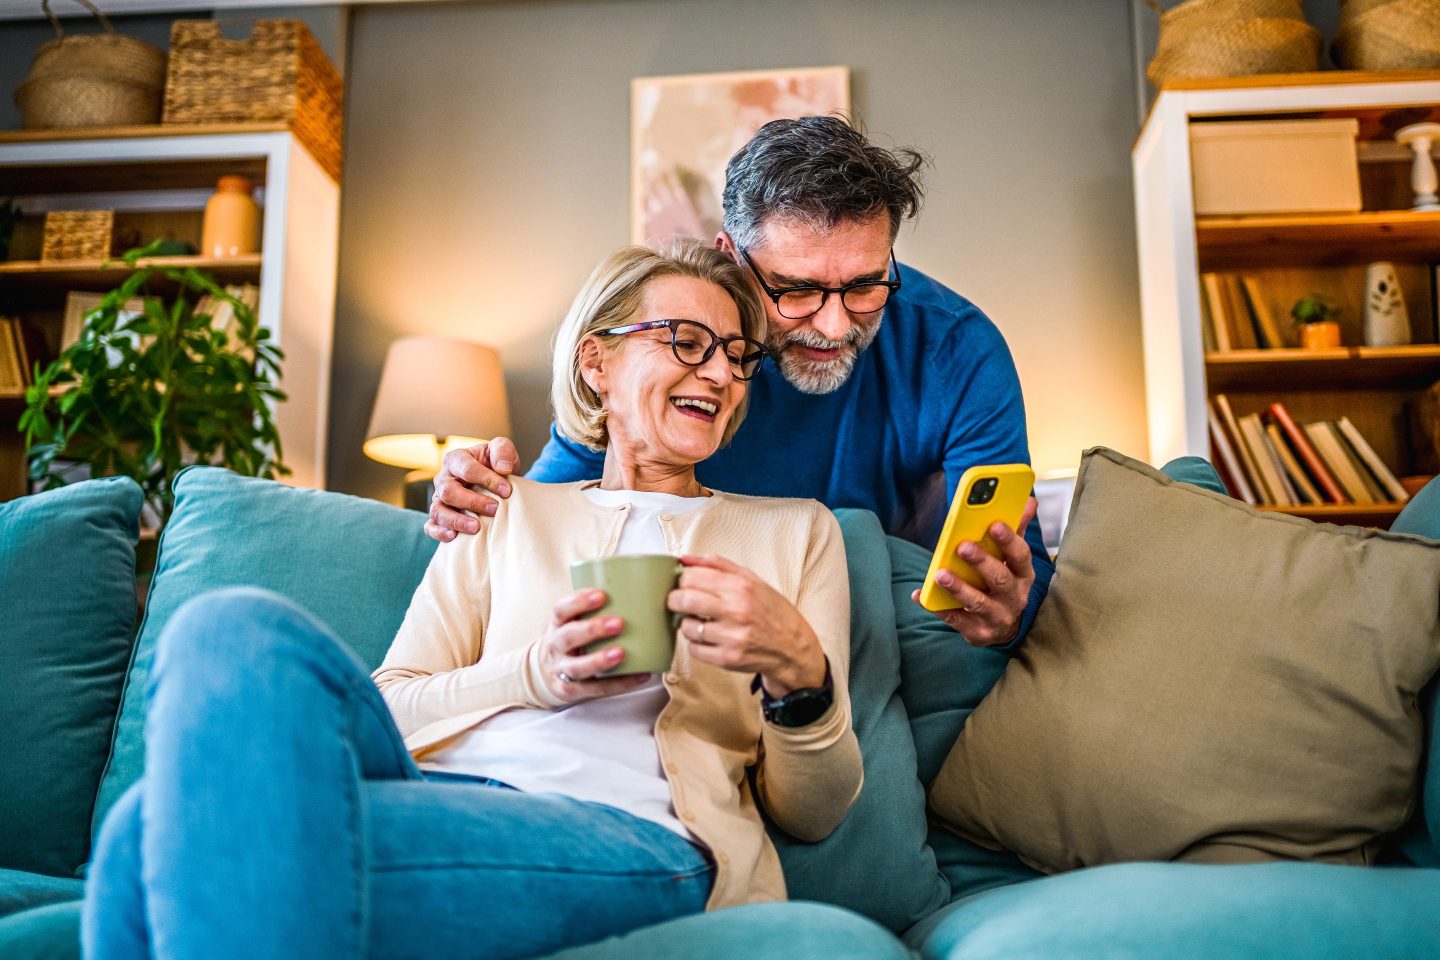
x: 821, y: 376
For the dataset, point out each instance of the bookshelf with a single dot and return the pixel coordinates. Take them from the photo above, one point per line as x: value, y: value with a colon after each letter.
x: 157, y: 179
x: 1378, y: 389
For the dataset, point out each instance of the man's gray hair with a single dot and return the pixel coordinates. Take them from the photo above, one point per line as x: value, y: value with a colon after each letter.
x: 818, y: 171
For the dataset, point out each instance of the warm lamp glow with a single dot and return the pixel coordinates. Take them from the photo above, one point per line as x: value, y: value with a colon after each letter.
x: 436, y: 394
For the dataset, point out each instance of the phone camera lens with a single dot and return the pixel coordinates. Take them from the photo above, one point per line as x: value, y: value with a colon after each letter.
x: 983, y: 491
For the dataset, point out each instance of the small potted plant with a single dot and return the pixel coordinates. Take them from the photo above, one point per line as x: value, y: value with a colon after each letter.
x: 146, y: 393
x: 1315, y: 316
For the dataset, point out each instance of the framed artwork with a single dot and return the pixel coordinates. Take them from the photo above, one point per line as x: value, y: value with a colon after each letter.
x: 684, y: 129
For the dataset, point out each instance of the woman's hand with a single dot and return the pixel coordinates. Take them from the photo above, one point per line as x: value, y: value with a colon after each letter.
x: 571, y: 674
x: 737, y: 621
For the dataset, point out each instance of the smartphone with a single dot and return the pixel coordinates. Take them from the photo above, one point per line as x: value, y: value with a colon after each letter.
x: 985, y: 496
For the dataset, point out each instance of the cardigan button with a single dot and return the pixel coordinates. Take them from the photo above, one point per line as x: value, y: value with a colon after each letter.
x: 722, y: 857
x: 688, y: 816
x: 672, y: 768
x: 672, y: 678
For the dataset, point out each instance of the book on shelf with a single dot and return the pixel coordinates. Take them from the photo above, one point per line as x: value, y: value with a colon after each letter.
x: 1389, y: 483
x: 1267, y: 461
x: 1242, y: 325
x: 12, y: 372
x: 1231, y: 429
x: 1324, y: 480
x: 1299, y: 480
x: 1332, y: 448
x: 1217, y: 327
x: 1272, y: 332
x: 1231, y: 469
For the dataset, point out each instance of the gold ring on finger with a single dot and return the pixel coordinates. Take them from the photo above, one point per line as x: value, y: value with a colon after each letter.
x: 700, y: 634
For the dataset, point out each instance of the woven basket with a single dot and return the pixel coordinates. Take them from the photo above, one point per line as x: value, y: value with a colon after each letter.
x: 279, y: 74
x: 1235, y: 48
x: 107, y: 80
x: 1397, y: 35
x: 78, y: 234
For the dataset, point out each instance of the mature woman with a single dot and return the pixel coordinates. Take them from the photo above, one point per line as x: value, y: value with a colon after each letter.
x: 519, y: 794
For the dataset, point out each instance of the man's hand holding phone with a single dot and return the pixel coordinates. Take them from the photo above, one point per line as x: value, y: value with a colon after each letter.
x: 468, y: 485
x: 991, y: 617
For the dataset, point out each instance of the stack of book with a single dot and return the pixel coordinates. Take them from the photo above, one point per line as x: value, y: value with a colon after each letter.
x: 21, y: 348
x: 1270, y: 459
x: 1239, y: 317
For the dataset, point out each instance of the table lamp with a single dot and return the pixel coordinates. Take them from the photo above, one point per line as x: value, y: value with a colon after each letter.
x: 436, y: 394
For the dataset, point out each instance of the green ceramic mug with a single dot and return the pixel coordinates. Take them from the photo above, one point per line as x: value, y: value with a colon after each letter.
x: 636, y: 586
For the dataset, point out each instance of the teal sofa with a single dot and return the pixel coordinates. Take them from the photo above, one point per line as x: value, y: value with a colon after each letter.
x: 885, y: 884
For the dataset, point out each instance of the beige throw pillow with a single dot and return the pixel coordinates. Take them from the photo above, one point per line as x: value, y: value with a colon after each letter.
x: 1204, y: 682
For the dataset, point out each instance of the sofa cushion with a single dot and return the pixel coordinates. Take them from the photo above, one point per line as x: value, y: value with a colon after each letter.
x: 67, y: 573
x: 877, y: 861
x: 1269, y: 911
x: 1204, y: 682
x: 1420, y: 843
x: 21, y: 891
x: 942, y: 679
x: 760, y: 931
x: 353, y: 563
x: 46, y: 933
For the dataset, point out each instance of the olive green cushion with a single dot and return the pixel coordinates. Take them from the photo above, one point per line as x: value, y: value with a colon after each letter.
x: 1204, y: 682
x: 353, y: 563
x: 67, y: 576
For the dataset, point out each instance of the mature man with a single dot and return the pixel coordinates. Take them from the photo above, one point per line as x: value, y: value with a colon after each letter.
x: 889, y: 386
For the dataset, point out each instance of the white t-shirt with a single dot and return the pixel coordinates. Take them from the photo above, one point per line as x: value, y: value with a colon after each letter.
x: 600, y: 750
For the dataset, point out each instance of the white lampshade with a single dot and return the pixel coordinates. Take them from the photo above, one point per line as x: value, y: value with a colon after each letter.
x: 436, y: 393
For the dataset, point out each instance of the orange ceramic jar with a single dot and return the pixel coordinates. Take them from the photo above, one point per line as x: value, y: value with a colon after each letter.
x: 232, y: 220
x: 1320, y: 336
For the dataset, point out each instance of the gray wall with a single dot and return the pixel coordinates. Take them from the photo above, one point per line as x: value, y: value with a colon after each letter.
x: 488, y: 157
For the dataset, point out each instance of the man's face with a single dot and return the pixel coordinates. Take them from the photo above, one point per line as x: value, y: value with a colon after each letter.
x: 817, y: 353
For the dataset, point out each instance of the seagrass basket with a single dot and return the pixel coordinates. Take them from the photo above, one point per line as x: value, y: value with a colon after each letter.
x: 78, y: 234
x: 105, y: 80
x: 278, y: 74
x: 1388, y: 35
x: 1232, y: 38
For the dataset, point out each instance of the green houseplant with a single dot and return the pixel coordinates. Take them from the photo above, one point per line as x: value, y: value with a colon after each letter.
x: 1315, y: 317
x: 145, y: 393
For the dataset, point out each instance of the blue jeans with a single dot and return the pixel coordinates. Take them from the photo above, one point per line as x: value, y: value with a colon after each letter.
x: 281, y: 816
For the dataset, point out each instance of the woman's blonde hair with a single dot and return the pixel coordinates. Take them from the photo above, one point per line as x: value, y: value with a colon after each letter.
x: 611, y: 297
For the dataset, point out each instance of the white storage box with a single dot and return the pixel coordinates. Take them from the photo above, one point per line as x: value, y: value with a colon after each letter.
x: 1275, y: 166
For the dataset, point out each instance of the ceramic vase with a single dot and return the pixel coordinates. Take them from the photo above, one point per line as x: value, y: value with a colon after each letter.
x: 232, y: 220
x: 1387, y: 322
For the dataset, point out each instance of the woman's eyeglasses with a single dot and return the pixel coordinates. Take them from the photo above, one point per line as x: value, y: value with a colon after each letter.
x: 694, y: 344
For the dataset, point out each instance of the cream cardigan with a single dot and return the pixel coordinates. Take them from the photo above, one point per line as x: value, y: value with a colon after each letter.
x: 466, y: 651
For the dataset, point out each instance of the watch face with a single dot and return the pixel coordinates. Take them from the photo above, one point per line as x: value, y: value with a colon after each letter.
x: 802, y: 711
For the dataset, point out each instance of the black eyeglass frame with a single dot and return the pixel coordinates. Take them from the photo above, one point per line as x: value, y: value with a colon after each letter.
x: 775, y: 293
x: 716, y: 341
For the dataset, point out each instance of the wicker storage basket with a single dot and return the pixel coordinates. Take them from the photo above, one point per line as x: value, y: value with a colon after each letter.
x: 107, y: 80
x: 1231, y: 38
x: 78, y: 234
x: 1394, y: 35
x: 278, y: 74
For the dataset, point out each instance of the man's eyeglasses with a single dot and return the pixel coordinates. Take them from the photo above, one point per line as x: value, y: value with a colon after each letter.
x: 694, y: 344
x: 806, y: 300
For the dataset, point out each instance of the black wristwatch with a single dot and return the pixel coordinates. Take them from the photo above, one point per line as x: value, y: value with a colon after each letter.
x: 798, y: 708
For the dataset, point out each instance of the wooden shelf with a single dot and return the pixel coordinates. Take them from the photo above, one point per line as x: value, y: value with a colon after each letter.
x: 1346, y: 368
x: 144, y: 130
x: 1317, y: 240
x: 76, y: 273
x: 1362, y: 515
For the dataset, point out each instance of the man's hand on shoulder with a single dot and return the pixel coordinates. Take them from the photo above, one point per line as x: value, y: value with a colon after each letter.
x: 468, y: 486
x: 991, y: 617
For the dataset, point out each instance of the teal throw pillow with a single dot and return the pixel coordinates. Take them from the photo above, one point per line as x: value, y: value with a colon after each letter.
x: 67, y: 576
x: 877, y: 861
x: 942, y: 679
x: 353, y: 563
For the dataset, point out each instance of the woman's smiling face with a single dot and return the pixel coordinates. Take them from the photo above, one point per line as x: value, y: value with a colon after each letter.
x: 658, y: 409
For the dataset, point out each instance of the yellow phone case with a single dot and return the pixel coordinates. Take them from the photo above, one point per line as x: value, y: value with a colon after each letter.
x: 966, y: 521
